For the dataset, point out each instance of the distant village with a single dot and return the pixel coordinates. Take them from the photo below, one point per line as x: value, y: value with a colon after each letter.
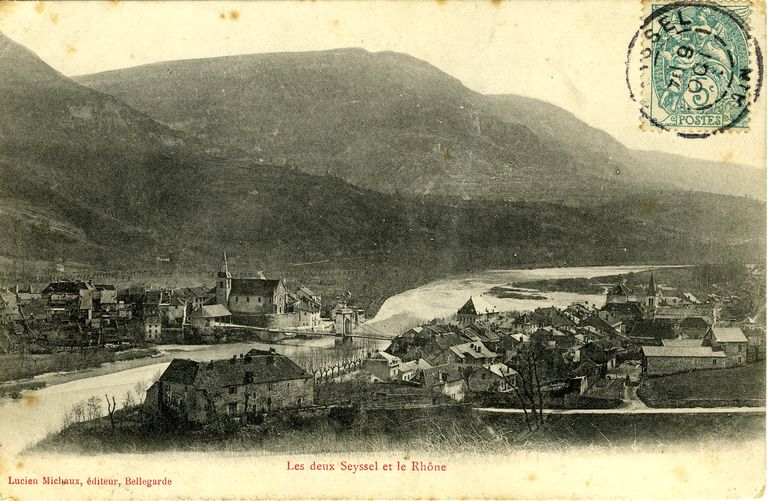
x: 579, y: 356
x: 79, y: 314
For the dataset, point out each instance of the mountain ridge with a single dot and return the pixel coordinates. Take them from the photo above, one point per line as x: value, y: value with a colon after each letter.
x: 371, y: 117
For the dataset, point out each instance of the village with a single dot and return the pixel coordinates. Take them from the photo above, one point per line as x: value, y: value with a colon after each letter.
x: 621, y: 355
x: 572, y: 358
x: 76, y: 314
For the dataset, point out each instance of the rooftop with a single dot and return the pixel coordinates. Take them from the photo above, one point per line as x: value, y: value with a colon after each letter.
x: 682, y: 352
x: 729, y: 335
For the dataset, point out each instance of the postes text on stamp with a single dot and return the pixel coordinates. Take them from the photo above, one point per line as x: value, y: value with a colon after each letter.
x: 697, y: 70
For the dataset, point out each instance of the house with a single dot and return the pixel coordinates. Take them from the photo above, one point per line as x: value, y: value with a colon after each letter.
x: 382, y: 366
x: 731, y: 341
x: 618, y: 294
x: 308, y: 298
x: 106, y: 300
x: 85, y: 307
x: 176, y: 311
x: 552, y: 316
x: 627, y: 313
x: 446, y: 380
x: 472, y: 353
x: 237, y: 388
x: 409, y: 371
x: 475, y: 310
x: 550, y: 336
x: 152, y: 329
x: 601, y: 353
x: 525, y: 323
x: 65, y: 290
x: 490, y: 377
x: 660, y: 360
x: 195, y: 296
x: 209, y: 316
x: 26, y: 294
x: 603, y: 327
x: 307, y: 316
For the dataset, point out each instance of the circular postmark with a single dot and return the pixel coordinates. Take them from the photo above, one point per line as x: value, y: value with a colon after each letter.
x: 694, y: 68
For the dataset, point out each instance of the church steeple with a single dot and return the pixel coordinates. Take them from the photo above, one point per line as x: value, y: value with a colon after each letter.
x: 652, y: 296
x: 224, y: 270
x: 652, y: 288
x: 223, y: 283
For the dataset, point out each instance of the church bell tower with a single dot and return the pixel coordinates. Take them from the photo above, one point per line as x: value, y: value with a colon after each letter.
x: 223, y: 283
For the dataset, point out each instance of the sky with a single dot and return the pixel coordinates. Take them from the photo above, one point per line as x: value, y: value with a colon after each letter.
x: 570, y: 53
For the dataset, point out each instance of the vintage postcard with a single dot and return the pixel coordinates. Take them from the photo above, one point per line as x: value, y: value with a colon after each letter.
x: 382, y: 250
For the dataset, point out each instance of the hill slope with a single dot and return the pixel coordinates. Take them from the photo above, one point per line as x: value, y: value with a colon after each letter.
x: 391, y: 122
x: 84, y: 176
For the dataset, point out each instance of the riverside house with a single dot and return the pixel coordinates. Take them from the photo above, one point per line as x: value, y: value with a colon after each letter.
x: 237, y: 388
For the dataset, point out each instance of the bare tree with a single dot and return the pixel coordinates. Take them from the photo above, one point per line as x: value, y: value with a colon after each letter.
x: 78, y: 411
x: 93, y: 407
x: 140, y: 389
x: 528, y: 385
x: 129, y: 400
x: 111, y: 407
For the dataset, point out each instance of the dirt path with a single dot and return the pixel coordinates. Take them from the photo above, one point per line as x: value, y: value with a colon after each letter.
x: 631, y: 400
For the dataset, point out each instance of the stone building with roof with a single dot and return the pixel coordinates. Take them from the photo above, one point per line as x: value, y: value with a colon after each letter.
x: 237, y: 388
x: 250, y: 299
x: 729, y: 340
x: 676, y: 358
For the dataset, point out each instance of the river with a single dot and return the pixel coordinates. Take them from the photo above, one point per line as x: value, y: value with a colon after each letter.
x: 29, y: 419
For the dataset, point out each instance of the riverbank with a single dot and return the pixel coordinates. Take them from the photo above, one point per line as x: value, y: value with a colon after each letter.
x: 13, y: 388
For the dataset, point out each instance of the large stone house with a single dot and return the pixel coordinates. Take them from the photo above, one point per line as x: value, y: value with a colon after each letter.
x: 257, y: 382
x: 729, y: 340
x: 671, y: 359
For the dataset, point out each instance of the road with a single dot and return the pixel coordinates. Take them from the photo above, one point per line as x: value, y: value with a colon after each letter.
x: 633, y: 405
x: 635, y: 410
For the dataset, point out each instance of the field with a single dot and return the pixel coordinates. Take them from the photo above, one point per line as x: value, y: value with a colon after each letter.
x: 738, y: 386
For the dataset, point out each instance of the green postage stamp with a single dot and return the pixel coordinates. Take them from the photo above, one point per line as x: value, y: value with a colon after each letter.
x: 696, y: 67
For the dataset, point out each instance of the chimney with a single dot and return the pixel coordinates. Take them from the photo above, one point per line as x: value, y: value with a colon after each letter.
x: 210, y: 364
x: 271, y: 349
x: 234, y: 359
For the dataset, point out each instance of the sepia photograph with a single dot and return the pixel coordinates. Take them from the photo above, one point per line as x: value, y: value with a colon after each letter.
x: 504, y: 249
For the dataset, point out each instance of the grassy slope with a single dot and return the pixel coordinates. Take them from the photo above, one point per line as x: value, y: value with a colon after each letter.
x: 444, y: 430
x: 739, y: 385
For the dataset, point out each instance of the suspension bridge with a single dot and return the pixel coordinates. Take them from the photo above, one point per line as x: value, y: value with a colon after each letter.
x: 361, y: 332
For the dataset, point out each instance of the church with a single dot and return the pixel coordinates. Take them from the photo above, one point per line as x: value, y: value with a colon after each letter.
x: 621, y: 294
x: 249, y: 299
